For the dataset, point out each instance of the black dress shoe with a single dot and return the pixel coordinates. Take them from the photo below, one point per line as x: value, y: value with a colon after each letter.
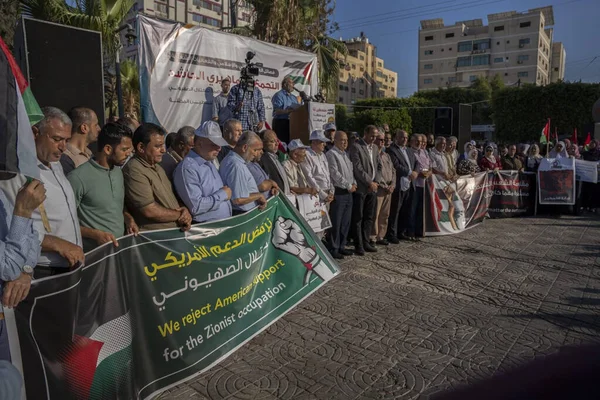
x: 370, y: 249
x: 372, y: 243
x: 359, y: 252
x: 337, y: 256
x: 383, y: 242
x: 346, y: 252
x: 404, y: 236
x: 393, y: 240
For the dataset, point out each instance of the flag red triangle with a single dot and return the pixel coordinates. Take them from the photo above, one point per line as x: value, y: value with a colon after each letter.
x: 574, y: 137
x: 79, y: 363
x: 588, y: 139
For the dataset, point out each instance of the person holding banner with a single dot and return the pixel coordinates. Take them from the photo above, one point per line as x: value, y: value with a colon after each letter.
x: 197, y: 180
x: 284, y: 102
x: 469, y: 166
x: 490, y: 162
x: 510, y: 161
x: 560, y: 151
x: 534, y: 158
x: 236, y: 175
x: 591, y: 191
x: 296, y: 178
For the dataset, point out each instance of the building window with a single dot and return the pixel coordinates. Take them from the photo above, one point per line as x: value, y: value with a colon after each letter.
x: 203, y: 19
x: 428, y: 66
x: 497, y: 43
x: 508, y: 42
x: 499, y: 28
x: 483, y: 44
x: 523, y: 42
x: 379, y: 65
x: 380, y: 74
x: 472, y: 78
x: 341, y: 99
x: 449, y: 35
x: 465, y: 46
x: 345, y: 88
x: 353, y: 66
x: 555, y: 69
x: 427, y: 81
x: 523, y: 57
x: 525, y: 24
x: 523, y: 74
x: 361, y: 91
x: 362, y: 58
x: 392, y: 89
x: 481, y: 60
x: 353, y: 90
x: 498, y: 60
x: 428, y: 38
x: 428, y: 52
x: 162, y: 8
x: 450, y: 49
x: 463, y: 62
x: 208, y: 5
x: 341, y: 87
x: 451, y: 79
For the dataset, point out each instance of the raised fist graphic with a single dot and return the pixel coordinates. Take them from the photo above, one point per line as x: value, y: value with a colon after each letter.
x: 288, y: 237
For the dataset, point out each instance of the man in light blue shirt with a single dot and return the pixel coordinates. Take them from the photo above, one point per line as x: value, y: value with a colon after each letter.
x: 197, y: 180
x: 235, y: 174
x: 19, y: 250
x: 266, y: 186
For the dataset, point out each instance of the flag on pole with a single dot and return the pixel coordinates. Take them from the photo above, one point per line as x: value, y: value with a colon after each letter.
x: 545, y: 136
x: 18, y: 111
x: 574, y: 137
x: 588, y: 139
x: 556, y: 135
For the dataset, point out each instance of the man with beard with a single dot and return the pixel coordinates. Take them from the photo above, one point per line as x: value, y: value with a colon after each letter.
x: 84, y: 132
x: 100, y: 192
x: 284, y: 102
x: 220, y: 111
x: 430, y: 141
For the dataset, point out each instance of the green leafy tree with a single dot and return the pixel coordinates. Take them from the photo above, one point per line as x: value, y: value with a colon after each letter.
x: 8, y: 20
x: 396, y: 119
x: 304, y: 25
x: 104, y: 16
x: 521, y: 113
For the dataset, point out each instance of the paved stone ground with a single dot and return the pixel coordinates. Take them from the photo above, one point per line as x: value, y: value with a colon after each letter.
x: 418, y: 318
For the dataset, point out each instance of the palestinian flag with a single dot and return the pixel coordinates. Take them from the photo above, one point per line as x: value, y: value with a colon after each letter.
x: 100, y: 366
x: 18, y: 111
x: 545, y: 136
x: 303, y: 79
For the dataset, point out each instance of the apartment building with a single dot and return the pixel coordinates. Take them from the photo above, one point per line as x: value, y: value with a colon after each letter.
x: 559, y: 56
x: 362, y: 73
x: 214, y: 14
x: 516, y: 46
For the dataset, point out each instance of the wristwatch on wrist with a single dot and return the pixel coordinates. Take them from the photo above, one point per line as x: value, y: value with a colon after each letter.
x: 27, y: 269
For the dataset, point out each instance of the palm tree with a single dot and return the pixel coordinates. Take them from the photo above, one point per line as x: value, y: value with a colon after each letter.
x: 304, y: 25
x: 103, y: 16
x: 130, y: 83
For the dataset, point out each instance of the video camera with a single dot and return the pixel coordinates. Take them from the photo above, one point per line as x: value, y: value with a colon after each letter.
x: 248, y: 73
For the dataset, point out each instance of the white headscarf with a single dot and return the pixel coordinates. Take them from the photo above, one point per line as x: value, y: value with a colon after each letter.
x: 466, y: 153
x: 563, y: 154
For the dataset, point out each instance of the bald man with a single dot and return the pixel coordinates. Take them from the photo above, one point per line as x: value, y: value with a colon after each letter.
x: 269, y: 162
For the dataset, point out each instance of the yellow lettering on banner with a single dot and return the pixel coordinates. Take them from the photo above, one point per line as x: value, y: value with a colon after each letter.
x: 168, y: 328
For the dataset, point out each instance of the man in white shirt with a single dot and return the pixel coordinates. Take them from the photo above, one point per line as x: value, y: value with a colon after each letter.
x: 439, y: 162
x: 57, y: 224
x: 316, y: 167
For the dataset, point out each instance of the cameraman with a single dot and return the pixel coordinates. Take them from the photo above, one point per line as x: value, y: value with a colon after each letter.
x: 247, y: 107
x: 284, y: 102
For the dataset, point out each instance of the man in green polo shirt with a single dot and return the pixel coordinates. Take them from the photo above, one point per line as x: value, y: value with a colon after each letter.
x: 100, y: 191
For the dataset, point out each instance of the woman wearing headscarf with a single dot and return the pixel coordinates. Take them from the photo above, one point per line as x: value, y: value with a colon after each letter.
x: 489, y: 161
x: 468, y: 147
x: 559, y: 151
x: 469, y: 165
x: 534, y: 159
x: 573, y: 152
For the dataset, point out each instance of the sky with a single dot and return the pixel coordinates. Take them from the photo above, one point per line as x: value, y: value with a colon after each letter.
x: 393, y: 25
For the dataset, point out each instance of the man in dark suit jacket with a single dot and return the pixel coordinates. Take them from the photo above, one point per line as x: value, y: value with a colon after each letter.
x: 367, y: 172
x: 405, y: 163
x: 269, y: 162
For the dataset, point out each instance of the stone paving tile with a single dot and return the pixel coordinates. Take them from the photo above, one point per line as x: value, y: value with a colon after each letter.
x: 417, y: 319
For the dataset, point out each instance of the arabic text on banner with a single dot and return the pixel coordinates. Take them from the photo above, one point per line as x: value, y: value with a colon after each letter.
x: 513, y: 194
x: 181, y: 69
x: 165, y: 306
x: 320, y: 114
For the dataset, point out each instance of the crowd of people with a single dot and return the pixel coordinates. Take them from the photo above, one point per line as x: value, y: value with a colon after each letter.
x: 372, y: 185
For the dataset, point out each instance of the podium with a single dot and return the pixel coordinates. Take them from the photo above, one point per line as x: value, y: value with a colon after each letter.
x: 299, y: 124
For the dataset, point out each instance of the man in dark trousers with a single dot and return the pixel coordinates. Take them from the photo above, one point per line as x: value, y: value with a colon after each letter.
x: 367, y: 171
x: 405, y: 164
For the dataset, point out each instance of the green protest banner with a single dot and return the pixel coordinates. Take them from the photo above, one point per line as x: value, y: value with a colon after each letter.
x: 165, y: 306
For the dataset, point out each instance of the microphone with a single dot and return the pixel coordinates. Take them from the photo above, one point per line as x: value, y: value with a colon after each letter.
x: 302, y: 94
